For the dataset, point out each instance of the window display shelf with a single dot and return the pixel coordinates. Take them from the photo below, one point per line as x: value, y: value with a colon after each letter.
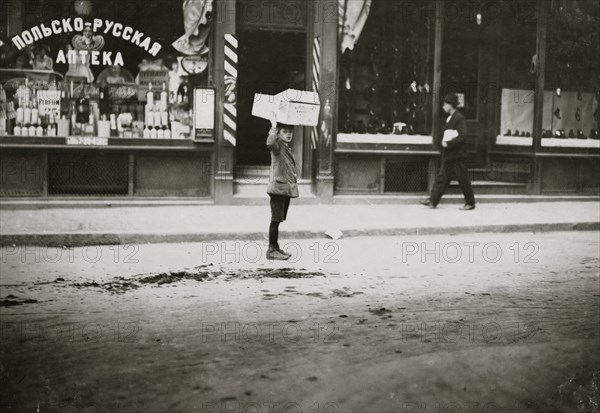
x: 548, y: 142
x: 47, y: 142
x: 384, y: 139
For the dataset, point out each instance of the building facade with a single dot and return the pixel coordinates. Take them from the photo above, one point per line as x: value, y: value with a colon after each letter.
x: 526, y: 73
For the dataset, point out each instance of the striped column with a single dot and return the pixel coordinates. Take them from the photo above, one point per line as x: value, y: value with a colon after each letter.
x: 316, y: 79
x: 230, y: 81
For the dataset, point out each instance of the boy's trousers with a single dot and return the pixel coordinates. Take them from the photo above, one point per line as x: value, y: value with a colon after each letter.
x: 452, y: 170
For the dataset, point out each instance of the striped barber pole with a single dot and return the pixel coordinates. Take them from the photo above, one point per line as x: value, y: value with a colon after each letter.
x: 316, y: 79
x: 230, y: 106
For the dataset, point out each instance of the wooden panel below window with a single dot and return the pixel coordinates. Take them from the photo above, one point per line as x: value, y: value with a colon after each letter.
x: 173, y: 175
x: 560, y: 175
x: 358, y: 175
x: 21, y: 173
x: 591, y: 172
x: 87, y: 173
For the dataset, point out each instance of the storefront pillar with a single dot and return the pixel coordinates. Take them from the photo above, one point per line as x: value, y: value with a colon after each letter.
x: 437, y: 86
x: 329, y: 97
x: 538, y: 111
x: 225, y: 151
x: 11, y: 20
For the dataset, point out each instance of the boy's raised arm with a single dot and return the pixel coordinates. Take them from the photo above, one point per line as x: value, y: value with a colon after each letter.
x: 272, y: 142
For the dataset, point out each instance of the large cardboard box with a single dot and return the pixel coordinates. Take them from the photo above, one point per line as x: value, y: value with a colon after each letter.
x: 293, y: 107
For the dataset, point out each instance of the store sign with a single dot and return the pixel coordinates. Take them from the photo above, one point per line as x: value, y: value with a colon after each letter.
x: 204, y: 113
x: 87, y: 140
x: 49, y: 102
x: 88, y: 45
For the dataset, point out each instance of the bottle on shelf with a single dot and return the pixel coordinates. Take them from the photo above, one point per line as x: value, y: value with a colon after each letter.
x: 153, y: 134
x: 35, y: 114
x: 64, y: 103
x: 167, y: 133
x: 160, y: 133
x: 32, y: 130
x: 157, y: 118
x: 113, y: 125
x: 163, y: 97
x: 27, y: 113
x: 149, y: 117
x: 102, y: 101
x: 185, y: 94
x: 83, y: 108
x: 17, y: 130
x: 182, y: 93
x: 150, y: 96
x: 20, y: 116
x: 49, y: 125
x: 90, y: 127
x: 147, y: 132
x: 24, y: 93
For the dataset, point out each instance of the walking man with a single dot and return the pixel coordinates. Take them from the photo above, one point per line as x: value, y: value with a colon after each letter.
x: 453, y: 157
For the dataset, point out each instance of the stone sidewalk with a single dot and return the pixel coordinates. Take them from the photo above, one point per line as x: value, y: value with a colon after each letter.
x: 196, y: 223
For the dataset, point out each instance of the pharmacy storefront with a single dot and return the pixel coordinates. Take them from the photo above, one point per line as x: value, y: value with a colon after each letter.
x: 99, y: 98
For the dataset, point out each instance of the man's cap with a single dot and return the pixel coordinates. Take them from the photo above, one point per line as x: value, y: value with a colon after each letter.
x: 452, y: 99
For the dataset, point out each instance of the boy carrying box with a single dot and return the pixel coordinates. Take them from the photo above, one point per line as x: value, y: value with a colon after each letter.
x: 282, y: 182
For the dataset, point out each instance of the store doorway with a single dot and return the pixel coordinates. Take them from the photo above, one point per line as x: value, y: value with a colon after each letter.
x: 269, y: 62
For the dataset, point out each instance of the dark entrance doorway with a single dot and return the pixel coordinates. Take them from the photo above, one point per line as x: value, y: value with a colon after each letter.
x: 269, y: 62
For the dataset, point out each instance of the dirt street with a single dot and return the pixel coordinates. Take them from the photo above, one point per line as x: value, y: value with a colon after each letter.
x: 469, y: 323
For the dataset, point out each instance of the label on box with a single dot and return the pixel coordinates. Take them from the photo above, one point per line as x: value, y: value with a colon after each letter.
x: 87, y: 140
x: 296, y: 113
x: 292, y: 107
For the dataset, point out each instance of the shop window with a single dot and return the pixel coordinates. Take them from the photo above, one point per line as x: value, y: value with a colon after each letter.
x: 572, y: 82
x: 460, y: 55
x: 516, y: 26
x: 386, y: 76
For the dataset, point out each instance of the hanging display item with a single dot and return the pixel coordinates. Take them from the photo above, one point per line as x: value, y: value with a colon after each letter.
x: 197, y: 16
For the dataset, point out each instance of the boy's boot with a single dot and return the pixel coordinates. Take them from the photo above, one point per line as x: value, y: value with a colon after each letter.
x: 274, y: 254
x: 282, y: 251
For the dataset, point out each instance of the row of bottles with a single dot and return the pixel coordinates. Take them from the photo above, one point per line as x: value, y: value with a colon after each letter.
x: 179, y: 97
x: 157, y: 118
x: 74, y: 112
x: 47, y: 126
x: 29, y: 121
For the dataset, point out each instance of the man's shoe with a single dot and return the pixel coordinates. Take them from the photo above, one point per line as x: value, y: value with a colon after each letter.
x: 467, y: 207
x: 427, y: 203
x: 273, y: 254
